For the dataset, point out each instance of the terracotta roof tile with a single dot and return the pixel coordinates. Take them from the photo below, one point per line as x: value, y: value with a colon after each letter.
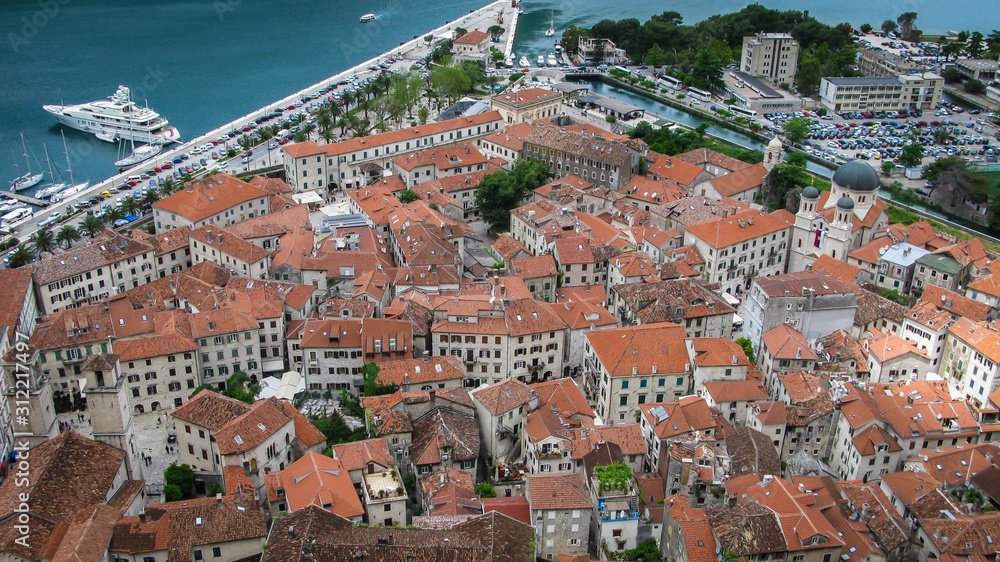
x: 503, y: 396
x: 357, y: 455
x: 641, y: 347
x: 557, y: 491
x: 441, y: 429
x: 67, y: 473
x: 416, y: 371
x: 319, y: 480
x: 210, y: 410
x: 203, y: 199
x: 178, y: 527
x: 253, y: 427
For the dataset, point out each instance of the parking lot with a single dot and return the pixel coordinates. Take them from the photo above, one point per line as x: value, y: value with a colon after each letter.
x: 948, y: 131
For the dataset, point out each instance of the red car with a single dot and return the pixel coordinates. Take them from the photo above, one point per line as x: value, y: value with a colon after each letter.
x: 215, y: 143
x: 167, y: 165
x: 291, y: 107
x: 131, y: 183
x: 283, y: 141
x: 247, y: 129
x: 158, y: 169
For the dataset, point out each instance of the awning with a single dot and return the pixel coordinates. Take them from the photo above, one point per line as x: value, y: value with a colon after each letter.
x: 307, y: 197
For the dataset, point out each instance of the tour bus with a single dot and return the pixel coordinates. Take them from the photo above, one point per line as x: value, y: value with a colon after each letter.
x: 741, y: 112
x: 700, y: 94
x: 671, y: 82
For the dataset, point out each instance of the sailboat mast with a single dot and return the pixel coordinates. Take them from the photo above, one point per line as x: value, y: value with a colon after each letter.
x: 48, y: 161
x: 24, y: 147
x: 69, y: 167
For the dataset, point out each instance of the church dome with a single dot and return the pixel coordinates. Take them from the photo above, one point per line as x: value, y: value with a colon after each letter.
x: 810, y: 192
x: 846, y: 203
x: 775, y: 143
x: 856, y: 176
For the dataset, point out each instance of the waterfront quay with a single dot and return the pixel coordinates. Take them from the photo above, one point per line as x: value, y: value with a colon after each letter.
x: 404, y: 56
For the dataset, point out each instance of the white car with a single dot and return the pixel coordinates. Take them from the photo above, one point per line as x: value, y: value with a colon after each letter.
x: 272, y: 146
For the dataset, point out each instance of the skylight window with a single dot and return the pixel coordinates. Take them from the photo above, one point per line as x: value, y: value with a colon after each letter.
x: 239, y: 440
x: 261, y: 427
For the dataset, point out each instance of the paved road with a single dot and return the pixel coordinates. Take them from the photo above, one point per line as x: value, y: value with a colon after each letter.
x: 407, y: 54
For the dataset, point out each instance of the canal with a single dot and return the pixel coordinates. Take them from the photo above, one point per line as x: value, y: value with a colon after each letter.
x: 684, y: 118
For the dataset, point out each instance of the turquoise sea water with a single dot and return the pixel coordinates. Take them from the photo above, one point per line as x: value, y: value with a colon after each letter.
x: 202, y: 63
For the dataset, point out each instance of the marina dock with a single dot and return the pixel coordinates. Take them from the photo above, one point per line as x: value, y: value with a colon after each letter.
x: 26, y: 199
x: 411, y: 50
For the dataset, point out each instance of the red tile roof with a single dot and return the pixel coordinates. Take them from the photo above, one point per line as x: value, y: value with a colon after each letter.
x: 621, y: 350
x: 203, y: 199
x: 557, y: 491
x: 317, y: 480
x: 515, y: 507
x: 722, y: 232
x: 210, y: 410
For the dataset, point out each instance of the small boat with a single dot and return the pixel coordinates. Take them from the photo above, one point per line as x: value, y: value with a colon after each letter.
x: 552, y: 25
x: 551, y: 60
x: 139, y: 155
x: 16, y: 217
x: 107, y: 136
x: 367, y: 18
x: 21, y: 183
x: 523, y: 61
x: 558, y: 48
x: 540, y: 60
x: 69, y: 191
x: 49, y: 190
x: 10, y: 205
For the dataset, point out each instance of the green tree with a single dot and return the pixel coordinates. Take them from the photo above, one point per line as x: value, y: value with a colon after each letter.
x: 895, y: 296
x: 747, y: 346
x: 975, y: 47
x: 796, y: 129
x: 993, y: 43
x: 423, y: 114
x: 485, y: 490
x: 130, y: 205
x: 866, y: 28
x: 451, y: 82
x: 369, y: 373
x: 236, y: 387
x: 180, y: 475
x: 887, y: 167
x: 783, y: 179
x: 112, y: 214
x: 912, y: 154
x: 91, y: 226
x: 656, y: 56
x: 407, y: 196
x: 992, y: 215
x: 974, y: 86
x: 707, y: 71
x: 67, y: 235
x: 429, y: 38
x: 905, y: 21
x: 889, y: 26
x: 955, y: 173
x: 495, y: 32
x: 646, y: 551
x: 44, y: 241
x: 336, y: 430
x: 809, y: 74
x: 500, y: 191
x: 571, y: 37
x: 21, y: 256
x: 172, y: 493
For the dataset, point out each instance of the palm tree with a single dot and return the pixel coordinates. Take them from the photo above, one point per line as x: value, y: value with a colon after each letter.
x: 130, y: 205
x: 91, y: 226
x: 307, y: 130
x: 112, y: 214
x: 21, y: 256
x: 324, y: 119
x: 343, y: 123
x: 167, y: 188
x: 44, y: 242
x: 328, y: 135
x: 365, y: 105
x: 67, y: 235
x: 152, y: 196
x: 348, y: 98
x: 335, y: 111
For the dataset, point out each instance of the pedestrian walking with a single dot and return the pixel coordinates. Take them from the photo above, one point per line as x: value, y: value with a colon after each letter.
x: 168, y: 449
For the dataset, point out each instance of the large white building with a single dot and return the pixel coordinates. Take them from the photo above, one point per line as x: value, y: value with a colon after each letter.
x: 352, y: 163
x: 774, y: 56
x: 839, y: 221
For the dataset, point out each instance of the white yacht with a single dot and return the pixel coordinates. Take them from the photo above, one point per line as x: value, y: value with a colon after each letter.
x: 118, y: 117
x: 541, y: 60
x: 551, y: 60
x: 139, y: 154
x: 523, y: 61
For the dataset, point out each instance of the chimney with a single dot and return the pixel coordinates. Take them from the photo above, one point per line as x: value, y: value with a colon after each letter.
x: 142, y: 515
x: 291, y: 531
x: 208, y: 235
x: 220, y: 238
x: 802, y: 487
x: 218, y: 498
